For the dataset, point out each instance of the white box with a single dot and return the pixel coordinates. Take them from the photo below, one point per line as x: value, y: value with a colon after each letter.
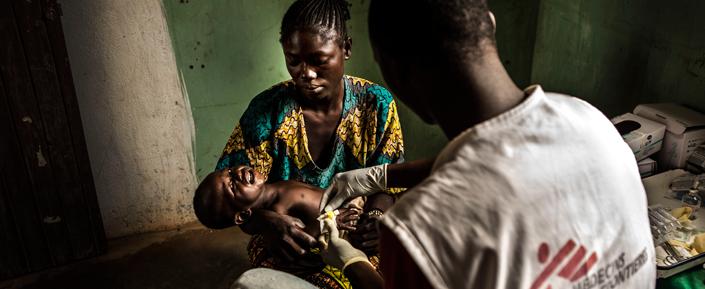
x: 647, y: 167
x: 685, y: 131
x: 643, y: 136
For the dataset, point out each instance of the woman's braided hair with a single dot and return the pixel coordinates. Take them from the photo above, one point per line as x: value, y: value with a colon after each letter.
x: 319, y: 16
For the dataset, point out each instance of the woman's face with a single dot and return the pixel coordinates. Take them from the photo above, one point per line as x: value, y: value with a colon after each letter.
x: 316, y: 63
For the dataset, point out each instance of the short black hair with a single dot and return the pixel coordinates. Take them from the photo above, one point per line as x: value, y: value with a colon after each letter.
x: 320, y: 16
x: 205, y: 201
x: 431, y: 28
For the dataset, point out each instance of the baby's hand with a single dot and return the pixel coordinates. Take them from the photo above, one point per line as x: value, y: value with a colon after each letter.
x: 347, y: 219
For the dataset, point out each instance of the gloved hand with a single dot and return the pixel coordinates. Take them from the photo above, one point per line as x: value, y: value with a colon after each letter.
x: 354, y: 183
x: 336, y: 251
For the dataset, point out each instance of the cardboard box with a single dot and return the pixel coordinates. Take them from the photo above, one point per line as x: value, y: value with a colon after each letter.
x: 685, y: 131
x: 643, y: 136
x: 647, y: 167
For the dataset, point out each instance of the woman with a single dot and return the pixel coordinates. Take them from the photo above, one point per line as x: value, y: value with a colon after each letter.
x: 318, y: 124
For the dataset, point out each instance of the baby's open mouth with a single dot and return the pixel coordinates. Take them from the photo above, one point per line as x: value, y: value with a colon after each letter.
x: 247, y: 176
x: 251, y: 177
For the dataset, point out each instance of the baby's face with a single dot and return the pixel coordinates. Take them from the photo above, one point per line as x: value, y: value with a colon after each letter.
x: 242, y: 185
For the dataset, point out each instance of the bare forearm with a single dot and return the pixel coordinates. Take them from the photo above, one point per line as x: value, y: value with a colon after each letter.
x: 363, y: 275
x: 408, y: 174
x: 381, y: 201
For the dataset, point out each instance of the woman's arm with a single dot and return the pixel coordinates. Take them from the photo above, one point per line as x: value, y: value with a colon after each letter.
x: 371, y: 180
x: 354, y: 263
x: 363, y: 275
x: 398, y: 269
x: 408, y: 174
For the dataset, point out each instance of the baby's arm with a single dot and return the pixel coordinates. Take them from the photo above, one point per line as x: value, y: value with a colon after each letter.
x: 347, y: 219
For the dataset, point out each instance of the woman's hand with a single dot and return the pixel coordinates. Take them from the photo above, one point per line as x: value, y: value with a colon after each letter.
x: 284, y: 236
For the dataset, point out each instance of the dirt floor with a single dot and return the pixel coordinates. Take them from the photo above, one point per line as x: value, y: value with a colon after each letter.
x: 192, y: 257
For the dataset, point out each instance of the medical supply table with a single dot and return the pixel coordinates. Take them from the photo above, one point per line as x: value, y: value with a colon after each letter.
x: 656, y: 190
x: 690, y: 279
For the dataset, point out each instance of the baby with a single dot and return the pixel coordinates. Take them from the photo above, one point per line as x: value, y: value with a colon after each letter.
x: 227, y: 197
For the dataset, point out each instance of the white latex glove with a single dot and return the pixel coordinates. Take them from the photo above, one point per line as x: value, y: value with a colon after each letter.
x: 336, y: 251
x: 354, y: 183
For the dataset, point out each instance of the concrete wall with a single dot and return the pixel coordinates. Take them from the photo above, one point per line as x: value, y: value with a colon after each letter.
x: 616, y: 54
x: 137, y: 121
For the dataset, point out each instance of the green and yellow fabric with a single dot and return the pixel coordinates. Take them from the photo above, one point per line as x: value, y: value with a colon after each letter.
x: 271, y: 135
x: 271, y: 138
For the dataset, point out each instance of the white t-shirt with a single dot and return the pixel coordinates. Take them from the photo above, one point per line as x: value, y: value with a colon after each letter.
x: 546, y: 195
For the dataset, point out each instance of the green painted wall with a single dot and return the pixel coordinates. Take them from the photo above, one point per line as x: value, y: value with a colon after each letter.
x: 616, y: 54
x: 613, y: 54
x: 228, y: 51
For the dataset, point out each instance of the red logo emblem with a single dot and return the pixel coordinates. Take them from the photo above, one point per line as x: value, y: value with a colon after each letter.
x: 571, y: 270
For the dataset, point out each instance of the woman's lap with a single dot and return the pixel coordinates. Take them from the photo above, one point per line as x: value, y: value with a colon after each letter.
x: 324, y: 277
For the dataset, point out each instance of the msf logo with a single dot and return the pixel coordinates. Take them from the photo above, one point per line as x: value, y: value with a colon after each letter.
x: 573, y: 270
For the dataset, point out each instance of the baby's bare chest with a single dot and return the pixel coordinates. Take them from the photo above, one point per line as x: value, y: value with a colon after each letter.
x: 301, y: 203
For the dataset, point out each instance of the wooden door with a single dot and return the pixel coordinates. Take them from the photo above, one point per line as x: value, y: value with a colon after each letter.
x: 48, y: 208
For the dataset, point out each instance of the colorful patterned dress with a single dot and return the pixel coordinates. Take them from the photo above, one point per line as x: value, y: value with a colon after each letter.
x: 271, y: 138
